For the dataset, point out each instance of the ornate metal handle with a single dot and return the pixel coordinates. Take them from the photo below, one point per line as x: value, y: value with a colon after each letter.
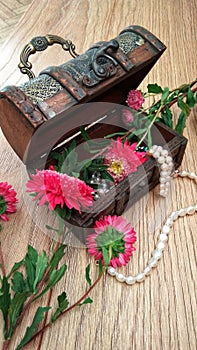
x: 40, y: 43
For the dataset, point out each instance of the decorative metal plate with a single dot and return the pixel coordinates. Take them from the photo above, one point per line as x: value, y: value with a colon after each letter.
x: 40, y: 88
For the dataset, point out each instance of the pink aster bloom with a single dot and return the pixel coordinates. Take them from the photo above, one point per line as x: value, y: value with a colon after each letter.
x: 7, y: 200
x: 117, y: 236
x: 135, y: 99
x: 127, y: 116
x: 54, y: 189
x: 122, y: 159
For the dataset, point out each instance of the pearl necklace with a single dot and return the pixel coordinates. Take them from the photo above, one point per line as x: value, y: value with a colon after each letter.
x: 166, y: 165
x: 163, y: 236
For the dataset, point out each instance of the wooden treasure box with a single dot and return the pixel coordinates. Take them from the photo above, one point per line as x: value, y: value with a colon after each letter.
x: 41, y: 114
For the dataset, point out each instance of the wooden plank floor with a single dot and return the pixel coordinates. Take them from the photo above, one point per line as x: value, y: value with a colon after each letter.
x: 11, y: 12
x: 161, y: 312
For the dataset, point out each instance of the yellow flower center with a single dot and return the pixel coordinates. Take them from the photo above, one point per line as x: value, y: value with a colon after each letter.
x: 116, y: 167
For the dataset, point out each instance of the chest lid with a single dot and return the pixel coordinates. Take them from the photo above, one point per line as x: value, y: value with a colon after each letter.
x: 104, y: 73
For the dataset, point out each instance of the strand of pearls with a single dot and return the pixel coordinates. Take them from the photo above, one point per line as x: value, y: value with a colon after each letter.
x: 166, y: 167
x: 162, y: 239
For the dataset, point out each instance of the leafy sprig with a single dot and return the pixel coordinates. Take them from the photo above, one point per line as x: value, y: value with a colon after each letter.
x: 185, y: 97
x: 28, y: 281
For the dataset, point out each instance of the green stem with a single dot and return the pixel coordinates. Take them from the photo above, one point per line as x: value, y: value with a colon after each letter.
x: 150, y: 125
x: 2, y: 260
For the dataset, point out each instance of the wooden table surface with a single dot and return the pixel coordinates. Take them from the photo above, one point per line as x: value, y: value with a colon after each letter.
x: 161, y: 312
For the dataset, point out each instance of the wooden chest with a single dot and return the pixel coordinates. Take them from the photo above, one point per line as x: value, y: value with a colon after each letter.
x: 38, y: 116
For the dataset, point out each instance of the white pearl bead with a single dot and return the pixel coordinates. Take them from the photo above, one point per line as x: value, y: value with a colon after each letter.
x: 182, y: 212
x: 168, y: 159
x: 167, y: 184
x: 120, y: 277
x: 163, y: 193
x: 163, y: 237
x: 161, y: 245
x: 159, y: 149
x: 162, y: 186
x: 164, y: 173
x: 161, y: 160
x: 153, y: 262
x: 171, y: 165
x: 154, y: 147
x: 111, y: 271
x: 169, y: 222
x: 165, y: 229
x: 147, y: 270
x: 157, y: 254
x: 140, y: 277
x: 184, y: 173
x: 164, y: 153
x: 151, y: 151
x: 162, y: 180
x: 164, y: 166
x: 190, y: 210
x: 174, y: 215
x: 130, y: 280
x: 156, y: 154
x: 192, y: 175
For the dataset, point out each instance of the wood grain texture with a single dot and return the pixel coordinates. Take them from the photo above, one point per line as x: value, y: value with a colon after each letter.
x: 161, y: 312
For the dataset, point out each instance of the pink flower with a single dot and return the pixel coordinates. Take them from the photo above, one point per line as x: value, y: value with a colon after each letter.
x: 127, y: 116
x: 122, y: 159
x: 135, y: 99
x: 114, y: 235
x: 7, y: 200
x: 55, y: 189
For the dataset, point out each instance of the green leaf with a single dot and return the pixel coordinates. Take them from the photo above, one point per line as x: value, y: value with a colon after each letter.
x: 88, y: 279
x: 16, y: 267
x: 39, y: 316
x: 15, y: 309
x: 31, y: 272
x: 167, y: 117
x: 55, y: 277
x: 19, y: 283
x: 100, y: 267
x: 165, y: 94
x: 68, y: 213
x: 32, y: 254
x: 57, y: 256
x: 105, y: 175
x: 41, y: 266
x: 63, y: 304
x: 115, y: 134
x: 190, y: 98
x: 87, y: 301
x: 105, y: 256
x: 3, y: 206
x: 181, y: 123
x: 5, y: 301
x: 51, y: 228
x: 72, y: 146
x: 84, y: 134
x: 154, y: 88
x: 183, y: 106
x: 140, y: 131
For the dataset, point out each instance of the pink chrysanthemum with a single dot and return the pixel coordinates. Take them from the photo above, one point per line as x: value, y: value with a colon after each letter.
x: 114, y: 235
x: 55, y: 189
x: 7, y: 200
x: 122, y: 159
x: 135, y: 99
